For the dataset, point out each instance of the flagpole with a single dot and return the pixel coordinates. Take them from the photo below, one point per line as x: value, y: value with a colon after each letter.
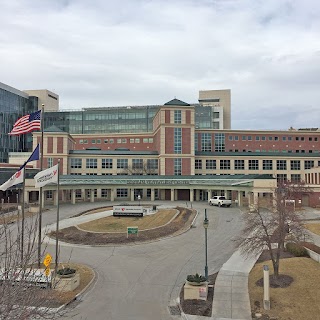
x: 57, y: 226
x: 22, y: 214
x: 40, y: 191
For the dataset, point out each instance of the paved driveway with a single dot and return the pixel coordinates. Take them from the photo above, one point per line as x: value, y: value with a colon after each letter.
x: 141, y: 281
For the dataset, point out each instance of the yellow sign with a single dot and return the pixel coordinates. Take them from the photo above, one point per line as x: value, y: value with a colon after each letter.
x: 47, y: 260
x: 47, y: 272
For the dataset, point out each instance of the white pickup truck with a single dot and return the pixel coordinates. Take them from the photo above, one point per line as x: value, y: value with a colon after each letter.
x: 219, y: 201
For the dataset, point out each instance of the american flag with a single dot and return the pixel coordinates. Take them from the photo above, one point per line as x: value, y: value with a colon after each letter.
x: 27, y: 123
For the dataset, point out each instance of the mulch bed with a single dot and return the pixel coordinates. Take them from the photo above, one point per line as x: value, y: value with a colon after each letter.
x: 282, y: 281
x: 180, y: 223
x: 199, y: 307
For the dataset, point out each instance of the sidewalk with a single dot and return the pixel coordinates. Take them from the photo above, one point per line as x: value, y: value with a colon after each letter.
x: 231, y: 295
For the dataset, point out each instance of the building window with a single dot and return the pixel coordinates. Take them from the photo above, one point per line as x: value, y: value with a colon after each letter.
x: 177, y: 167
x: 177, y: 140
x: 211, y: 164
x: 296, y: 178
x: 104, y: 193
x: 206, y: 142
x: 196, y: 142
x: 50, y: 162
x: 177, y: 116
x: 308, y: 164
x: 236, y: 138
x: 281, y: 164
x: 249, y: 138
x: 91, y: 163
x: 198, y: 164
x: 106, y: 163
x: 216, y: 115
x: 118, y: 140
x: 122, y: 193
x: 267, y: 165
x: 295, y: 165
x: 253, y: 164
x: 230, y: 138
x: 257, y: 138
x: 152, y: 164
x: 263, y: 138
x: 244, y: 138
x: 219, y: 142
x: 137, y: 140
x: 225, y: 165
x: 93, y: 141
x: 49, y: 194
x: 281, y: 177
x: 137, y: 163
x: 131, y: 140
x: 239, y: 164
x: 76, y: 163
x: 145, y: 140
x: 122, y: 163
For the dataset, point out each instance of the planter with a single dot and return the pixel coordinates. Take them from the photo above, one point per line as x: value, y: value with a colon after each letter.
x: 64, y: 276
x: 194, y: 283
x: 66, y: 273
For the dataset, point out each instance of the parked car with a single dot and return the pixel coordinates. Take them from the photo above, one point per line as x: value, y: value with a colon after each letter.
x: 219, y: 201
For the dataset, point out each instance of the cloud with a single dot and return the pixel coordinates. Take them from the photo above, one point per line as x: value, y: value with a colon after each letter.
x: 107, y: 53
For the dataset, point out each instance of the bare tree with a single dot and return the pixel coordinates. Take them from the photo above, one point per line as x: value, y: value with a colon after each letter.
x: 24, y: 290
x: 270, y: 230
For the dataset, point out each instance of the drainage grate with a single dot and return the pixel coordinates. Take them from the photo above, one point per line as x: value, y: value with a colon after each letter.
x: 175, y: 310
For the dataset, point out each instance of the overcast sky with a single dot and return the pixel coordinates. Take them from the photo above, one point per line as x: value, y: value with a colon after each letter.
x: 137, y: 52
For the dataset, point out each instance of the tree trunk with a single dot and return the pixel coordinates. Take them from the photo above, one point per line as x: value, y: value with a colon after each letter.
x: 275, y: 269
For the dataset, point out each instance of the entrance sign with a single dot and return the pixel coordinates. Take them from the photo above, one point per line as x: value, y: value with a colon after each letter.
x: 127, y: 211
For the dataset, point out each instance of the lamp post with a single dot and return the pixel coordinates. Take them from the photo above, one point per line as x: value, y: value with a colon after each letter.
x: 139, y: 198
x: 206, y: 225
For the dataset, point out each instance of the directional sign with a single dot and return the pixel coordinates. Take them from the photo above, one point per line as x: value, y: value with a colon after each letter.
x: 132, y: 230
x: 47, y: 260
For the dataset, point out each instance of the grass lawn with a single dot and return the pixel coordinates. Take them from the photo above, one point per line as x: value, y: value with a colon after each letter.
x: 298, y: 301
x: 120, y: 224
x: 313, y: 227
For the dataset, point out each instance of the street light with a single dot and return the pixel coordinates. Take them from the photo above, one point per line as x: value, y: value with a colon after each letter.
x: 139, y: 198
x: 206, y: 225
